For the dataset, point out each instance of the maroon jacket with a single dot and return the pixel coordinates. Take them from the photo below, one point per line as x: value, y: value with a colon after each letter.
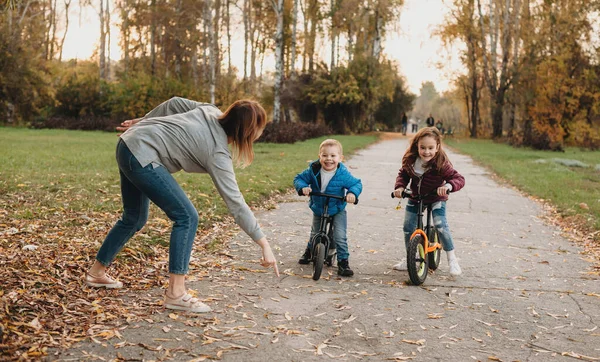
x: 429, y: 181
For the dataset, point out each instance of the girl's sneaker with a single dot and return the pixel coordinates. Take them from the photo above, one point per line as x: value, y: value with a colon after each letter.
x: 186, y: 303
x: 454, y: 267
x: 400, y: 266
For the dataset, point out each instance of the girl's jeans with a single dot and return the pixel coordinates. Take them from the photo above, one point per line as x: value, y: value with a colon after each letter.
x: 340, y: 223
x: 439, y: 222
x: 139, y: 186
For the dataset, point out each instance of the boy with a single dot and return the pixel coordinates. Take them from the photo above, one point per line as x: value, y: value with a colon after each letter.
x: 330, y: 176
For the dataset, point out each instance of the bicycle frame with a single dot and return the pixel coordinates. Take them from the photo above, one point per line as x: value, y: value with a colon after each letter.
x: 326, y: 222
x: 320, y: 254
x: 420, y: 228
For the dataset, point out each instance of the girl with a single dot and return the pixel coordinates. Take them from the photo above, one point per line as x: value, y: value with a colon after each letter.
x: 181, y: 134
x: 427, y: 167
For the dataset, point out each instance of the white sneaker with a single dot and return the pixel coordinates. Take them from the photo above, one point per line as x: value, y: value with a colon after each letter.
x: 400, y: 266
x: 454, y: 267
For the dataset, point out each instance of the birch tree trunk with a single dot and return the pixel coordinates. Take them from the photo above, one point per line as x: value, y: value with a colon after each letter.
x: 228, y: 24
x: 62, y: 41
x: 278, y: 61
x: 208, y: 18
x: 293, y: 44
x: 246, y: 31
x: 332, y: 30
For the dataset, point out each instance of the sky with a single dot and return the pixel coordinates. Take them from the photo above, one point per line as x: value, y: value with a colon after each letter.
x: 421, y: 57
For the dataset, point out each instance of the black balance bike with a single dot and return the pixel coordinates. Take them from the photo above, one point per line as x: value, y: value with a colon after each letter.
x: 423, y: 251
x: 323, y: 245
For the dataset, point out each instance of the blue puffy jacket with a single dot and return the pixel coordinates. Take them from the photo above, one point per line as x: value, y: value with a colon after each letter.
x: 339, y: 183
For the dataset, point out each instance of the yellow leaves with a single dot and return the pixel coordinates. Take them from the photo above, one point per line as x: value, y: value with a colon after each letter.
x: 434, y: 316
x: 420, y: 342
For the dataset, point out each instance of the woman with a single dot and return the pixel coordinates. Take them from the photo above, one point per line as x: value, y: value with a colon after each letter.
x: 181, y: 134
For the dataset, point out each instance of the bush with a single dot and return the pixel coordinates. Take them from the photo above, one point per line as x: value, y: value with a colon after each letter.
x: 87, y: 123
x: 292, y: 132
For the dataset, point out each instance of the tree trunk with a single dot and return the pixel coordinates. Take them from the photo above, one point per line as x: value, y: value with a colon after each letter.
x: 216, y: 37
x: 153, y: 38
x: 313, y: 9
x: 246, y: 31
x: 107, y: 27
x: 102, y: 61
x: 332, y: 31
x: 228, y: 22
x: 293, y: 45
x: 125, y: 34
x: 377, y: 37
x: 62, y: 41
x: 212, y: 55
x: 278, y: 61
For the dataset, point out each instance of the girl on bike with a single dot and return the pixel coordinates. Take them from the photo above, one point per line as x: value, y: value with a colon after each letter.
x: 427, y: 168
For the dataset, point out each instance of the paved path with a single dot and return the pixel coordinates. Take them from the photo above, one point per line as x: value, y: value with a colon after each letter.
x: 525, y: 293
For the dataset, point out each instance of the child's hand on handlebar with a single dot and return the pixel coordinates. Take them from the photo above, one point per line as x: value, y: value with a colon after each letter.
x: 306, y: 191
x: 350, y: 198
x: 398, y: 192
x: 442, y: 191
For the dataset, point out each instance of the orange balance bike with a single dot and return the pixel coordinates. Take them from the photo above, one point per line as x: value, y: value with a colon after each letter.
x: 424, y: 249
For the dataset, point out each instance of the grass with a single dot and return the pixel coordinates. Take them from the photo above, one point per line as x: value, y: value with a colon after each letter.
x: 574, y: 191
x: 75, y: 171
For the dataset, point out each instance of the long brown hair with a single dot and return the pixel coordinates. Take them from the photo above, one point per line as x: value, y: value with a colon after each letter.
x: 243, y: 123
x: 437, y: 162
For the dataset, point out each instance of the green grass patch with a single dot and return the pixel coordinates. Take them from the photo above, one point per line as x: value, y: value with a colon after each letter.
x: 75, y: 171
x: 544, y: 174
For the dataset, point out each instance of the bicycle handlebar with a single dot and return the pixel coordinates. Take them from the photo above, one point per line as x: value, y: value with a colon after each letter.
x: 337, y: 197
x: 408, y: 192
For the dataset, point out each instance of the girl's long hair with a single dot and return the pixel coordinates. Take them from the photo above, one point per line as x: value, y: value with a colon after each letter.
x: 440, y: 158
x: 243, y: 123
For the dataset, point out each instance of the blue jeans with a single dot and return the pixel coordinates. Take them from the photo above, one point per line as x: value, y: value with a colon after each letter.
x: 340, y: 224
x: 139, y: 186
x: 439, y: 222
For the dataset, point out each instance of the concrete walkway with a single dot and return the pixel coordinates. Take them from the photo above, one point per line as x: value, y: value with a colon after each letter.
x: 525, y: 293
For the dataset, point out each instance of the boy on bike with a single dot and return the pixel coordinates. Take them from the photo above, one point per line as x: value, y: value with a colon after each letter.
x: 330, y: 176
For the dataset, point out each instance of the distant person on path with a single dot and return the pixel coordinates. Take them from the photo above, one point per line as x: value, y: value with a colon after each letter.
x: 329, y: 175
x: 430, y: 121
x: 414, y: 127
x: 404, y: 123
x: 440, y: 126
x: 181, y: 134
x: 427, y: 168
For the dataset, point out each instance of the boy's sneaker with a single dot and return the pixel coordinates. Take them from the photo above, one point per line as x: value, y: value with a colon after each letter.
x: 344, y: 268
x: 306, y: 257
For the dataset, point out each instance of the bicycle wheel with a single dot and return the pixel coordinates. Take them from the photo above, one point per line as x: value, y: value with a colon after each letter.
x: 433, y: 258
x: 416, y: 260
x: 319, y: 259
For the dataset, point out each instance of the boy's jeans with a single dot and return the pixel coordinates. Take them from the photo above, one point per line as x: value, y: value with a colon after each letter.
x: 340, y: 223
x: 139, y: 186
x: 439, y: 222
